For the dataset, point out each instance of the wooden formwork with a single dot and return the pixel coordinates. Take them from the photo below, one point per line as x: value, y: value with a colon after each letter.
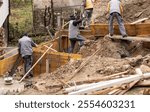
x: 60, y: 44
x: 132, y: 29
x: 7, y: 63
x: 85, y: 33
x: 55, y: 60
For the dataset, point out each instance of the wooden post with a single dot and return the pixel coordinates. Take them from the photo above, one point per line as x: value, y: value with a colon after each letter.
x: 47, y: 66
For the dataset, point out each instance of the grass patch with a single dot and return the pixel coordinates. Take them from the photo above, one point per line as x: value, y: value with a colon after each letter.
x: 20, y: 20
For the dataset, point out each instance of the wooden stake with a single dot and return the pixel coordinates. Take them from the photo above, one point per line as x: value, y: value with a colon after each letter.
x: 47, y: 66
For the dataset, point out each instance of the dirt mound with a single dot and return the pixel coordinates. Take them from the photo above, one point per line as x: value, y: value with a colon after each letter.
x: 108, y: 48
x: 133, y: 10
x: 136, y: 9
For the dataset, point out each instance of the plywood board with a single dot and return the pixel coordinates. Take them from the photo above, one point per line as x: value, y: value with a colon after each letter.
x: 132, y: 29
x: 55, y: 59
x: 7, y: 63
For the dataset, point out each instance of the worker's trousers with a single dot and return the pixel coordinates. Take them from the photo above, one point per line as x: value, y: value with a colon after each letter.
x: 73, y: 41
x: 28, y: 60
x: 89, y: 13
x: 120, y: 23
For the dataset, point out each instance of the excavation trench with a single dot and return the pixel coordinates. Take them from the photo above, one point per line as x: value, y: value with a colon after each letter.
x: 56, y: 69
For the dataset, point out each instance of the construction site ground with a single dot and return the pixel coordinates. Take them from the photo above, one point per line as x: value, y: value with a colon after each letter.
x: 114, y: 56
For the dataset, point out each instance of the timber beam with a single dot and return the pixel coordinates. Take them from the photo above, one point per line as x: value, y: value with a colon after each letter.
x: 131, y: 38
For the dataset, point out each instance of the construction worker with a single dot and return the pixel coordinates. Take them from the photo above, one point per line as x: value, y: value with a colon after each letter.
x: 25, y: 50
x: 74, y: 32
x: 116, y: 10
x: 88, y: 7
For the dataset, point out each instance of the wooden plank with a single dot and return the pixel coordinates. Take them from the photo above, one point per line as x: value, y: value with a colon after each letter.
x: 144, y: 83
x: 7, y: 63
x: 130, y: 86
x: 131, y: 38
x: 94, y: 80
x: 132, y: 29
x: 107, y: 84
x: 8, y: 52
x: 143, y: 29
x: 140, y: 20
x: 82, y: 32
x: 54, y: 58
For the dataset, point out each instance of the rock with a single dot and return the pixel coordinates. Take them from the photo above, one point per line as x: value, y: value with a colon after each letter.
x: 145, y: 68
x: 135, y: 61
x: 126, y: 67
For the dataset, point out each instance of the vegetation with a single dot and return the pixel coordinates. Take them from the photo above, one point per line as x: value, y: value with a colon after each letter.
x: 20, y: 19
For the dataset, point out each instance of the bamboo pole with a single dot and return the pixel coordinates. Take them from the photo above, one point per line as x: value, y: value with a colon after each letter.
x: 35, y: 63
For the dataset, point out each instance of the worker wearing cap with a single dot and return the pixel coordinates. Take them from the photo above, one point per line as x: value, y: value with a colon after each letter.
x: 88, y: 6
x: 25, y: 50
x: 74, y: 32
x: 116, y: 10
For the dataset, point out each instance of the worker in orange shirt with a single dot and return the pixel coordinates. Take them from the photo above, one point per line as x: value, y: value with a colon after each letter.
x: 115, y: 10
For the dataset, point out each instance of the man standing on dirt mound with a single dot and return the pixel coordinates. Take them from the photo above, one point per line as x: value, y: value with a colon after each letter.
x: 74, y: 32
x: 116, y: 10
x: 25, y: 50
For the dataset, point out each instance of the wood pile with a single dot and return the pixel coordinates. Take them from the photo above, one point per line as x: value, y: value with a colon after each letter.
x: 114, y: 86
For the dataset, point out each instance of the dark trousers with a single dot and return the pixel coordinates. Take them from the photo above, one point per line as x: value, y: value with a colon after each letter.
x: 89, y: 13
x: 120, y: 23
x: 28, y: 60
x: 74, y: 40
